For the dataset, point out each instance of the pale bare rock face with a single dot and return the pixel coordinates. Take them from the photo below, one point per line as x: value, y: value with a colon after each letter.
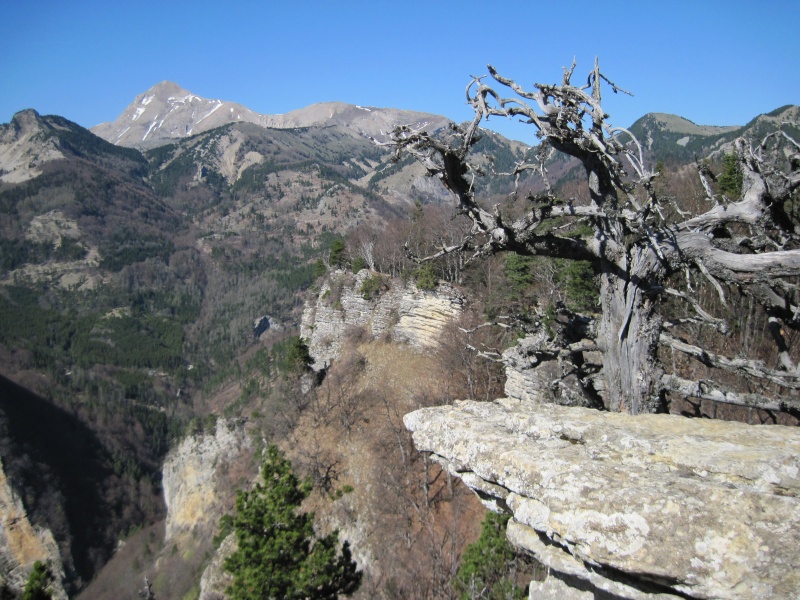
x: 195, y: 481
x: 24, y: 148
x: 408, y: 314
x: 167, y: 111
x: 654, y: 506
x: 22, y: 544
x: 215, y: 579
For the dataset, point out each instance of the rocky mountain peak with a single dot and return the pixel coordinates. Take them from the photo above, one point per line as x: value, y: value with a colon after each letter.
x: 370, y: 121
x: 26, y: 121
x: 676, y: 124
x: 166, y: 88
x: 23, y: 150
x: 669, y: 136
x: 168, y: 94
x: 167, y: 112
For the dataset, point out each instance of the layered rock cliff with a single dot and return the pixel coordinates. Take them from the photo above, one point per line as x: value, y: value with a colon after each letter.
x: 397, y: 309
x: 652, y: 506
x: 22, y: 544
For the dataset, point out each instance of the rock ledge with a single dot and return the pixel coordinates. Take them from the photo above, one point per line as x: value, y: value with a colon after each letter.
x: 653, y: 506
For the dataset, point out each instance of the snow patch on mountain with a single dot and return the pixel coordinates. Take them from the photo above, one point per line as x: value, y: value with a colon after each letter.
x: 183, y: 113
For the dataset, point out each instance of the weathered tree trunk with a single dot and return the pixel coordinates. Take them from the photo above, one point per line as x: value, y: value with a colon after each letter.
x: 629, y: 327
x: 628, y: 336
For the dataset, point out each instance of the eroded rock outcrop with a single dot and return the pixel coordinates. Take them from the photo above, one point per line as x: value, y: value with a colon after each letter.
x: 201, y: 475
x: 25, y: 147
x: 22, y: 544
x: 652, y: 506
x: 401, y: 310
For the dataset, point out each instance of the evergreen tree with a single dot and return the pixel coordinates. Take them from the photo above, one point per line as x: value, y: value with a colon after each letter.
x: 488, y: 567
x: 38, y: 586
x: 731, y: 179
x: 277, y: 555
x: 358, y: 264
x: 577, y: 279
x: 338, y: 253
x: 298, y: 358
x: 519, y: 271
x: 425, y: 277
x: 319, y: 269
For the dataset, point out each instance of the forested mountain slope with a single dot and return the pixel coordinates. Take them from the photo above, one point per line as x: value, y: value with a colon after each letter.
x: 142, y: 292
x: 132, y: 284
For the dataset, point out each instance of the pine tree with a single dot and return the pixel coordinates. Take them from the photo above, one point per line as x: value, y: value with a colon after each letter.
x: 298, y: 358
x: 338, y: 253
x: 489, y: 566
x: 38, y: 585
x: 278, y: 555
x: 731, y: 179
x: 577, y: 279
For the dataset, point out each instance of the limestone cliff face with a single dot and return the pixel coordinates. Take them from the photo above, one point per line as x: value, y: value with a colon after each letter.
x: 22, y: 544
x: 201, y: 475
x: 653, y: 506
x: 400, y: 310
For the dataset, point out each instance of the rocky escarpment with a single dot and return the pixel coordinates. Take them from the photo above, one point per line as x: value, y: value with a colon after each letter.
x: 22, y: 544
x: 215, y: 579
x: 537, y: 370
x: 653, y: 506
x: 25, y: 147
x: 201, y: 475
x: 400, y: 310
x: 557, y: 361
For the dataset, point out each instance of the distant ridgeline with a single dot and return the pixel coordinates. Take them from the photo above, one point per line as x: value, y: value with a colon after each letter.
x: 137, y: 263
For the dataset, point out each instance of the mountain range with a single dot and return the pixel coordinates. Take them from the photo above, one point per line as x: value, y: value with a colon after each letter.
x: 136, y: 257
x: 670, y: 137
x: 167, y: 112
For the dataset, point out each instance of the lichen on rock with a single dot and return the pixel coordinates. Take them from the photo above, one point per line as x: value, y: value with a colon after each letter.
x: 636, y: 507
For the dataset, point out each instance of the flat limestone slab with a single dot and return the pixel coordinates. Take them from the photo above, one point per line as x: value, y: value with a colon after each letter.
x: 640, y: 507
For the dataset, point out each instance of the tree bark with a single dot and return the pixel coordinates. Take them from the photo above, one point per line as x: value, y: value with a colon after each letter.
x: 628, y: 334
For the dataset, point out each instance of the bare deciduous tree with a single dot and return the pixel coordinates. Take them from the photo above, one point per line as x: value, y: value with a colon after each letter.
x: 750, y: 244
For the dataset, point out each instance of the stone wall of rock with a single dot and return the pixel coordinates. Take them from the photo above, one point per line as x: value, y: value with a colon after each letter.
x: 201, y: 475
x: 652, y: 506
x: 400, y: 310
x: 22, y: 544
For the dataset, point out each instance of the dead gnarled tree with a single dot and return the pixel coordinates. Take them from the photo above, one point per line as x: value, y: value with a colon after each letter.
x: 750, y: 244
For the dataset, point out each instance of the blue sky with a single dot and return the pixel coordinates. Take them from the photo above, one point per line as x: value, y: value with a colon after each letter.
x: 713, y: 62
